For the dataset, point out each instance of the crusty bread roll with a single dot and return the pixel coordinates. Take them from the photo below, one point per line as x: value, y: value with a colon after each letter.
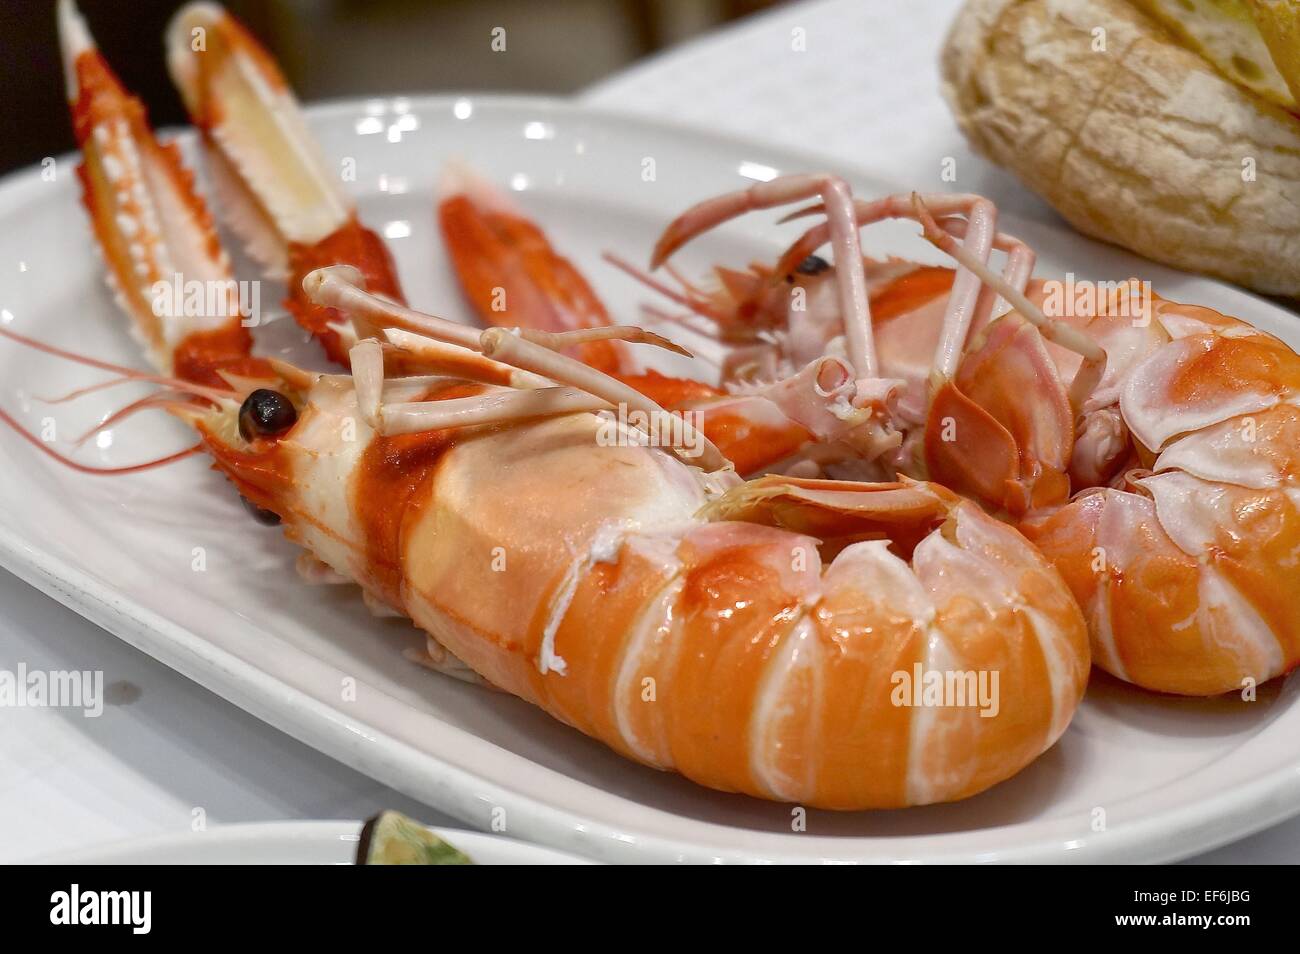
x: 1142, y: 143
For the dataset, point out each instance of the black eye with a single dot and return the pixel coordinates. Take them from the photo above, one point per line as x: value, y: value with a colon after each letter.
x: 265, y: 413
x: 268, y: 517
x: 812, y: 265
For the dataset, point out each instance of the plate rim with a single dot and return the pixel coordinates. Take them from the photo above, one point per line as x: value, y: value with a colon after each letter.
x: 292, y: 831
x: 1215, y: 819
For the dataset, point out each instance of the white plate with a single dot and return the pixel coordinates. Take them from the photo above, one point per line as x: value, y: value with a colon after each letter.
x: 1137, y: 777
x: 292, y: 843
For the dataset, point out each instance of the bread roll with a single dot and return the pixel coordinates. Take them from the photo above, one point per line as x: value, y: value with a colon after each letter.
x: 1133, y: 137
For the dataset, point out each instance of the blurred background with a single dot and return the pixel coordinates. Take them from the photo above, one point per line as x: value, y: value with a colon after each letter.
x: 332, y: 48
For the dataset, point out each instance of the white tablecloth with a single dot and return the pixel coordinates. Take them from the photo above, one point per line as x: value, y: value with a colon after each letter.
x: 167, y: 754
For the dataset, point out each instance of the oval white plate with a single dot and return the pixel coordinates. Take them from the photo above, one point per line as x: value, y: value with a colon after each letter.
x: 291, y: 843
x: 169, y: 561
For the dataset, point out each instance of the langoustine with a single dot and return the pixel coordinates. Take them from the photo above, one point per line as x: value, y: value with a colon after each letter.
x: 690, y: 627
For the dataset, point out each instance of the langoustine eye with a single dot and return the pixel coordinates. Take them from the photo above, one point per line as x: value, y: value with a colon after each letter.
x: 812, y: 265
x: 266, y: 413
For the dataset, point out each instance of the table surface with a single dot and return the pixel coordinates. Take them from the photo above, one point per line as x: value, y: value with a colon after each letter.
x: 168, y: 756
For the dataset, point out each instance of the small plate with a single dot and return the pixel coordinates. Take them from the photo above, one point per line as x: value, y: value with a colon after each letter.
x: 292, y: 843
